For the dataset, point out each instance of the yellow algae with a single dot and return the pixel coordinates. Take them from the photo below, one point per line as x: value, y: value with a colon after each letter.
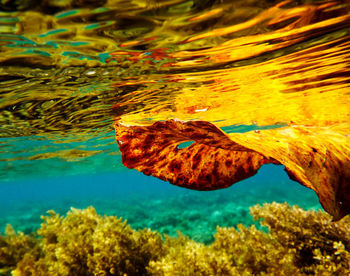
x: 84, y: 243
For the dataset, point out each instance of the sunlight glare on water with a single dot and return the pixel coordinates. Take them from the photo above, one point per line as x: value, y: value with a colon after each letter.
x: 67, y: 69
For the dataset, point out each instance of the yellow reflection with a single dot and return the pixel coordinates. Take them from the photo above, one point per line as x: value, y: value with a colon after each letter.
x: 309, y: 87
x: 70, y: 155
x: 306, y: 23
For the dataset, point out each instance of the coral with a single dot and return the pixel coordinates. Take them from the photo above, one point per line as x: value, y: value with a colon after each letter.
x: 84, y: 243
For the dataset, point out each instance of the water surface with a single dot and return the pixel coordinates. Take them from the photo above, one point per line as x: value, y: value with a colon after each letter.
x: 67, y: 70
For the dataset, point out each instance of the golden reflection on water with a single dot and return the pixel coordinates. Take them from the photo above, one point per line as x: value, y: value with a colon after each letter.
x: 309, y: 87
x: 293, y: 89
x: 69, y: 72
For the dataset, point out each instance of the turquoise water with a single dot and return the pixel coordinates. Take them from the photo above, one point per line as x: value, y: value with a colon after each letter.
x: 33, y: 157
x: 146, y: 202
x: 33, y: 184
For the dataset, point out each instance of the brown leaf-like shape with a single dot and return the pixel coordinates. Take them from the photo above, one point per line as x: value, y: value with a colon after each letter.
x: 318, y: 158
x: 213, y: 161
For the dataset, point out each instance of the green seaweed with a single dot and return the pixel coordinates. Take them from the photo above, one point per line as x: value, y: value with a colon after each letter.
x: 85, y: 243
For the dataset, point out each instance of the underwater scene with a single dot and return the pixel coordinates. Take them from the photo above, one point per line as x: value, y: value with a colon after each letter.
x: 174, y: 137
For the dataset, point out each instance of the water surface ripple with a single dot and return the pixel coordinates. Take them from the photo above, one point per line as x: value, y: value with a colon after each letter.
x: 68, y: 68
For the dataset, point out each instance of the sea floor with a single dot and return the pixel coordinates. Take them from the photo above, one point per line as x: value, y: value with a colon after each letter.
x: 146, y: 202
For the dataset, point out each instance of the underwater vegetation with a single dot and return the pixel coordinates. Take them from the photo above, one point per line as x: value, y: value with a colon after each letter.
x: 85, y: 243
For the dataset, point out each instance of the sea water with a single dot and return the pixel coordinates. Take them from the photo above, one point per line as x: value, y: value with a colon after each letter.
x: 146, y: 202
x: 70, y: 69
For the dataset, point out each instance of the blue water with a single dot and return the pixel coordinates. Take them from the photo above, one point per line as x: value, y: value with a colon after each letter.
x: 147, y: 202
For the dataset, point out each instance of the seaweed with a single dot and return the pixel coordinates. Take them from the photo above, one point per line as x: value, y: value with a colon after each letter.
x: 186, y: 257
x: 319, y: 244
x: 15, y: 246
x: 84, y: 243
x: 298, y: 242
